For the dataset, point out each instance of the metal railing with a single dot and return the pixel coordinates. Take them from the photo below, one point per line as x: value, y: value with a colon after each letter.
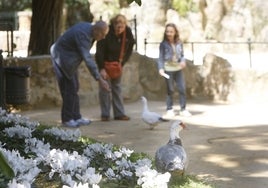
x: 2, y: 85
x: 235, y: 46
x: 133, y: 25
x: 8, y: 27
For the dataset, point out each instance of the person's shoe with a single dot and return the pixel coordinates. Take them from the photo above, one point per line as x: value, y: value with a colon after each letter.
x: 185, y: 113
x: 170, y: 114
x: 83, y: 121
x: 105, y: 118
x: 70, y: 123
x: 124, y: 118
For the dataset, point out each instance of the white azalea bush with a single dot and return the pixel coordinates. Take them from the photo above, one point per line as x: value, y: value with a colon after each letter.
x: 59, y: 155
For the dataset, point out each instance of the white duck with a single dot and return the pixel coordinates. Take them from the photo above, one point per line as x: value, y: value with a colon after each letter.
x: 150, y: 118
x: 172, y: 156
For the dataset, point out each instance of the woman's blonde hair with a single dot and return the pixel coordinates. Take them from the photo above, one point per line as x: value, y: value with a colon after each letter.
x: 118, y: 19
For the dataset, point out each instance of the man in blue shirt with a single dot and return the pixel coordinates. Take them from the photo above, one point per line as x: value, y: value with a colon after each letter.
x: 67, y: 53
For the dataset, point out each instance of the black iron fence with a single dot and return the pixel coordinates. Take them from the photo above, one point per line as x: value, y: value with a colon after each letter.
x: 226, y: 47
x: 2, y: 94
x: 9, y: 23
x: 133, y: 25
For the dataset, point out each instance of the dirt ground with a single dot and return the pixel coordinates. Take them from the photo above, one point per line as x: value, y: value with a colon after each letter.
x: 227, y: 144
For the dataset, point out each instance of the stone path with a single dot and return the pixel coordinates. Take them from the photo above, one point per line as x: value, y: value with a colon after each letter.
x: 226, y: 144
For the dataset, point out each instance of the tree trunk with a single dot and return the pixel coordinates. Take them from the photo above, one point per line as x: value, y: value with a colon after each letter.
x: 45, y: 25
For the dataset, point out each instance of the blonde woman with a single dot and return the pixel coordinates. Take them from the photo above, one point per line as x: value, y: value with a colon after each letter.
x: 108, y: 50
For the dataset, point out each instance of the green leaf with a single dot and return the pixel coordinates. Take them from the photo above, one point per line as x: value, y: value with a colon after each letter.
x: 130, y: 1
x: 5, y: 168
x: 138, y: 2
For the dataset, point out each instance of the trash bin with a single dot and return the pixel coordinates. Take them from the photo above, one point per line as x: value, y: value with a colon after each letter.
x: 17, y: 85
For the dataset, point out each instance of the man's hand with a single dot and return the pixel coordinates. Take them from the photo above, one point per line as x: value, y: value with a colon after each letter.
x: 104, y: 74
x: 103, y: 83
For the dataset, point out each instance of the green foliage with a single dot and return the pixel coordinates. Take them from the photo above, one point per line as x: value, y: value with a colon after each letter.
x: 183, y: 6
x: 72, y: 2
x: 42, y: 180
x: 15, y: 5
x: 137, y: 156
x: 6, y: 172
x: 87, y: 140
x: 137, y: 1
x: 5, y: 168
x: 187, y: 181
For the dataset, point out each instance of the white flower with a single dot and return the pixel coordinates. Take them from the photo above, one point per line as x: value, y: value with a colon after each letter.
x: 95, y: 186
x: 97, y: 148
x: 89, y: 176
x: 72, y: 135
x: 20, y: 131
x: 66, y: 178
x: 126, y: 173
x: 2, y: 112
x: 126, y: 151
x: 17, y: 119
x: 123, y: 152
x: 109, y: 155
x: 118, y: 154
x: 92, y: 149
x: 149, y: 178
x: 141, y: 171
x: 78, y: 185
x: 24, y: 169
x: 15, y: 184
x: 143, y: 162
x: 38, y: 147
x: 123, y: 163
x: 110, y: 174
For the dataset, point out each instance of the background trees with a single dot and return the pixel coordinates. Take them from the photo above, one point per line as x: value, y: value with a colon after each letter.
x: 46, y: 23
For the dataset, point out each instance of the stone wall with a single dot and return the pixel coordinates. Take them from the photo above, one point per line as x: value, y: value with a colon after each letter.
x: 214, y: 80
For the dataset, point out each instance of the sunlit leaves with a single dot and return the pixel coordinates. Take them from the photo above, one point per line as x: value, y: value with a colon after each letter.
x: 137, y: 1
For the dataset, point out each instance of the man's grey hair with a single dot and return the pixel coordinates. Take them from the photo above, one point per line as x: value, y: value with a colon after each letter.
x: 100, y: 25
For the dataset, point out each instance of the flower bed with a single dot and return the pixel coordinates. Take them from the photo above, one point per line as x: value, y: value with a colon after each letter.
x: 47, y: 156
x: 65, y: 155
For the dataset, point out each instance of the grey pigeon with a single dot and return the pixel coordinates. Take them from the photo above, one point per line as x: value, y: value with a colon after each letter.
x: 150, y: 118
x: 172, y: 156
